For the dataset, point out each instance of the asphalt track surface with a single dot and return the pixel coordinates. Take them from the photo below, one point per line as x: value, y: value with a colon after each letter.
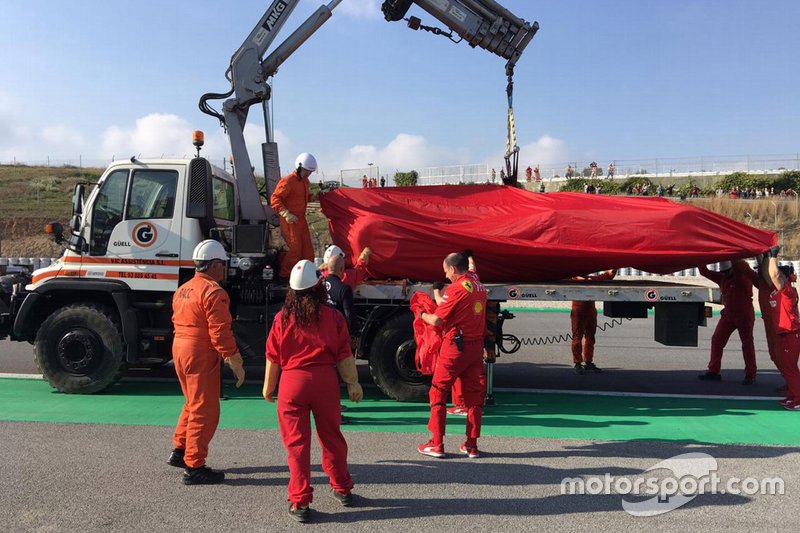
x: 111, y: 476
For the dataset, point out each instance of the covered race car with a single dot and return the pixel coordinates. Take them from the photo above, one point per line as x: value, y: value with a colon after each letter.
x: 519, y: 236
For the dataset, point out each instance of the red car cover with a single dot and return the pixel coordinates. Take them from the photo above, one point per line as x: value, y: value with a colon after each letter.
x: 521, y: 236
x: 428, y: 338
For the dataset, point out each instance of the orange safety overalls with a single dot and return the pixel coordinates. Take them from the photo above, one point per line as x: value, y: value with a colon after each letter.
x: 203, y: 337
x: 293, y: 194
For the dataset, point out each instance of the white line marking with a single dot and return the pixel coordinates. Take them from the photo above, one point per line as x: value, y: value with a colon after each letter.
x: 498, y: 389
x: 637, y: 394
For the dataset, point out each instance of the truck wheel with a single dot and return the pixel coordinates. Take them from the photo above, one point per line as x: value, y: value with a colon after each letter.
x: 391, y: 361
x: 78, y: 348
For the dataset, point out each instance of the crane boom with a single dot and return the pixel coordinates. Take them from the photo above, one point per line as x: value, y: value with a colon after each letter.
x: 482, y: 23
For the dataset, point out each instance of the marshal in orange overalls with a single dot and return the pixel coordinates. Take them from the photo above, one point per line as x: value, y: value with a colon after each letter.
x: 293, y: 194
x: 203, y: 338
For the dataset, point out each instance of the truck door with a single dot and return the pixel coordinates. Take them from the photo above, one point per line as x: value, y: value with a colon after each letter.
x: 136, y: 229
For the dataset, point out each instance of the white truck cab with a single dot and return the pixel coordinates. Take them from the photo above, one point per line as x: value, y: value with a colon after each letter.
x: 134, y: 227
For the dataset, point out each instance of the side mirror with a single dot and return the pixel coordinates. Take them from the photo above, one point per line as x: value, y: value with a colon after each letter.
x: 77, y: 199
x: 77, y: 207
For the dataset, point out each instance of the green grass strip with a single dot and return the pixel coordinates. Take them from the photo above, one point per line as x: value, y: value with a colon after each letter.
x: 562, y: 416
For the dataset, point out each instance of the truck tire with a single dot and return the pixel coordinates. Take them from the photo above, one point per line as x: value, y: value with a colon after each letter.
x: 78, y: 348
x: 391, y: 361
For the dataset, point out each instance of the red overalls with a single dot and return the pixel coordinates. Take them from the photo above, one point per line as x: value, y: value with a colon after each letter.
x: 738, y: 314
x: 203, y: 337
x: 584, y: 325
x: 293, y: 194
x: 787, y: 325
x: 764, y: 290
x: 583, y: 318
x: 463, y: 308
x: 309, y: 384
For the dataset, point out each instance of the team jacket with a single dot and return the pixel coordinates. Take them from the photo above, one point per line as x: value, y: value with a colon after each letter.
x: 736, y: 287
x: 784, y: 309
x: 464, y: 307
x: 340, y: 296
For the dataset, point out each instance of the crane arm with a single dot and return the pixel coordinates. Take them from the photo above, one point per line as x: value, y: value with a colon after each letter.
x: 481, y: 23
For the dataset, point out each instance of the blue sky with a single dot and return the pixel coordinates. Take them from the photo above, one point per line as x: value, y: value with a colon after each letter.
x: 616, y: 79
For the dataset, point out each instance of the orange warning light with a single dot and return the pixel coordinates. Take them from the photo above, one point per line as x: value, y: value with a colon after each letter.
x: 198, y: 138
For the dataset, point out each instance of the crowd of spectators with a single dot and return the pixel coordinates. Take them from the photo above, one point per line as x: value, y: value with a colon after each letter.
x: 755, y: 193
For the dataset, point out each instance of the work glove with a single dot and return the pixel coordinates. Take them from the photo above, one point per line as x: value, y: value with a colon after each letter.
x: 365, y: 253
x: 290, y: 218
x: 355, y: 392
x: 438, y: 285
x: 237, y: 367
x: 774, y: 251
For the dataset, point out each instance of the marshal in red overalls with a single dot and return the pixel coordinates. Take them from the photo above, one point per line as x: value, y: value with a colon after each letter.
x: 307, y: 356
x: 787, y: 326
x: 463, y: 310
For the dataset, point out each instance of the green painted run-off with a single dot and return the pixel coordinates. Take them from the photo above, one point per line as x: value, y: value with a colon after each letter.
x: 516, y: 415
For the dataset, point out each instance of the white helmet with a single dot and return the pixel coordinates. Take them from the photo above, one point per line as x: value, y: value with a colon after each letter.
x: 725, y: 265
x: 304, y: 275
x: 208, y: 250
x: 306, y: 161
x: 331, y: 251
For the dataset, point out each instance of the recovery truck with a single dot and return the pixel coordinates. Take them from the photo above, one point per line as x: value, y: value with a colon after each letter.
x: 106, y: 303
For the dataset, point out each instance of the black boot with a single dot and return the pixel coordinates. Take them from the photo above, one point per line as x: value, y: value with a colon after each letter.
x: 202, y: 476
x: 176, y: 458
x: 300, y: 514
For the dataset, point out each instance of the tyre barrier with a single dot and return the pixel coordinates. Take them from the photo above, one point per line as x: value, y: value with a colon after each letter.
x: 19, y: 264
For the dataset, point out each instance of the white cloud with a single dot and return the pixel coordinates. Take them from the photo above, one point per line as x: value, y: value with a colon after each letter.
x: 404, y: 152
x: 154, y: 135
x: 545, y: 151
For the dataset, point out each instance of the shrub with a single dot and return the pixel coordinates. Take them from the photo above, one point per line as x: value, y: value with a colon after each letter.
x: 789, y: 179
x: 578, y: 185
x: 406, y: 179
x: 743, y: 180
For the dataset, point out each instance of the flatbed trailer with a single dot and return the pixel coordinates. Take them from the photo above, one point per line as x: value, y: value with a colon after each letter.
x: 387, y: 341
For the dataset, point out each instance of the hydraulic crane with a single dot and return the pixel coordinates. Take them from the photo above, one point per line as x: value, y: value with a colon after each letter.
x: 481, y: 23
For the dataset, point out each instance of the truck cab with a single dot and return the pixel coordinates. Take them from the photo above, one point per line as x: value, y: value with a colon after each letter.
x: 106, y: 302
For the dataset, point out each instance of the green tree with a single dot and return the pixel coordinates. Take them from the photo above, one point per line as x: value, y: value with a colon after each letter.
x: 406, y: 179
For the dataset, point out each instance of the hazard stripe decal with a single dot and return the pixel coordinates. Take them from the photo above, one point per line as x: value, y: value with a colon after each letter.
x: 58, y: 274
